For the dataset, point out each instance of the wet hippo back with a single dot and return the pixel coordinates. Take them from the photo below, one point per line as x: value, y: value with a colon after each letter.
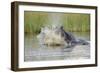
x: 70, y: 39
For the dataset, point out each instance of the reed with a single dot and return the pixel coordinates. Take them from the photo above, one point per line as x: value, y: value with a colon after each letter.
x: 75, y: 22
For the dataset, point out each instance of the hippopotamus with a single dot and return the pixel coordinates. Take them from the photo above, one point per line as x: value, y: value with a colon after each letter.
x: 70, y: 38
x: 58, y: 36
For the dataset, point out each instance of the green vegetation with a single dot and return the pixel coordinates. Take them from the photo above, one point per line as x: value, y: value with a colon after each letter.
x: 76, y: 22
x: 33, y: 21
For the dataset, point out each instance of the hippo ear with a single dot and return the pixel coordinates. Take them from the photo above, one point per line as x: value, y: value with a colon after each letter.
x: 61, y: 27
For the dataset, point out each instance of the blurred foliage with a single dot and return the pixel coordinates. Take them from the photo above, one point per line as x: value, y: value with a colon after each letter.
x: 76, y: 22
x: 33, y: 21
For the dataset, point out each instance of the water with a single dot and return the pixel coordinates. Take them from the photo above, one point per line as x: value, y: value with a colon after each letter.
x: 36, y: 52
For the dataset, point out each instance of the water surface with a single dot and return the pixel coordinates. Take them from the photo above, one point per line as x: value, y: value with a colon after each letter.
x: 36, y: 52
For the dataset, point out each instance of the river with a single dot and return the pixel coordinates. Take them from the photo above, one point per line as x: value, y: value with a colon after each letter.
x: 33, y: 51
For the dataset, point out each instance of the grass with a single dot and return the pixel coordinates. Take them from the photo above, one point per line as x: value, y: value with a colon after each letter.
x: 76, y: 22
x: 71, y: 21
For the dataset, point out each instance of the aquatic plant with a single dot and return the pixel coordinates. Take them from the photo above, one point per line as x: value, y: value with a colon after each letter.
x: 75, y: 22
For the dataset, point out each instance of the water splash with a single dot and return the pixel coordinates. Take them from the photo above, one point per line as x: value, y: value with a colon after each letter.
x: 51, y: 36
x: 55, y: 19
